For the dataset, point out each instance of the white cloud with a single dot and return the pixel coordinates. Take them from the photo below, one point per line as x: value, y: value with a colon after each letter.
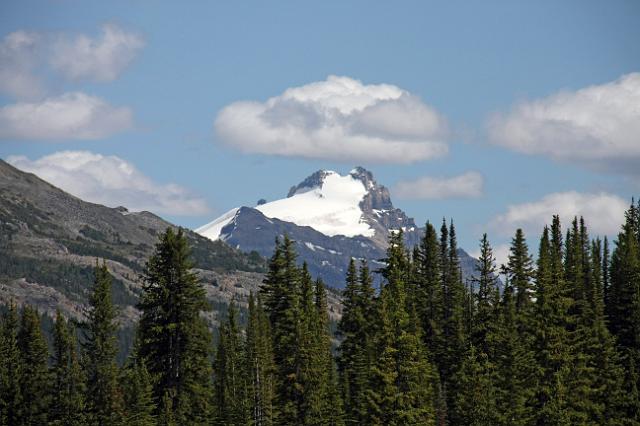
x: 338, y: 119
x: 111, y: 181
x: 602, y: 212
x: 467, y: 185
x: 69, y: 116
x: 598, y: 126
x: 99, y: 59
x: 18, y: 59
x: 26, y: 57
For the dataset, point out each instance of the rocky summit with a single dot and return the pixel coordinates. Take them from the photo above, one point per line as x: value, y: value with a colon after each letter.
x: 332, y: 218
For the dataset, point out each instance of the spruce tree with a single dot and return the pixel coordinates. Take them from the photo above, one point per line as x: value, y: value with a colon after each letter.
x: 10, y: 368
x: 104, y: 397
x: 229, y: 378
x: 429, y: 297
x: 486, y: 281
x: 402, y: 390
x: 475, y: 403
x: 68, y: 382
x: 175, y: 342
x: 139, y: 405
x: 34, y: 377
x: 259, y: 367
x: 513, y: 361
x: 551, y: 338
x: 282, y: 297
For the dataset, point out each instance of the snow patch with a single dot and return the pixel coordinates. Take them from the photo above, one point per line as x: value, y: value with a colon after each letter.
x: 213, y: 229
x: 332, y: 208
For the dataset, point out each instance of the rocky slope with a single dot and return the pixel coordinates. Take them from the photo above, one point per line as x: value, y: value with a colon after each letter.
x: 50, y: 240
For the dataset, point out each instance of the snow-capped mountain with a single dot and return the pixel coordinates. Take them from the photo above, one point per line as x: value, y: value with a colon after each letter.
x: 331, y: 217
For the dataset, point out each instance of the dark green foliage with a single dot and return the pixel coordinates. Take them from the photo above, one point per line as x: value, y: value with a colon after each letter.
x: 475, y: 402
x: 139, y: 405
x: 402, y: 380
x: 67, y: 407
x: 356, y: 352
x: 229, y: 378
x: 34, y: 377
x: 486, y: 299
x: 258, y: 366
x: 10, y: 369
x: 175, y: 343
x: 104, y: 397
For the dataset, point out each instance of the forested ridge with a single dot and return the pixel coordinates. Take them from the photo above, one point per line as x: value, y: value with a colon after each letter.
x: 558, y: 344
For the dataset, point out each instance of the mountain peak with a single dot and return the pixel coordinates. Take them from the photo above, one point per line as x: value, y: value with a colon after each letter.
x: 315, y: 180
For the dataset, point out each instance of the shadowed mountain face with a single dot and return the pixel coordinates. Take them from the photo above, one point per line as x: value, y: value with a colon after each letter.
x: 314, y: 213
x: 51, y: 240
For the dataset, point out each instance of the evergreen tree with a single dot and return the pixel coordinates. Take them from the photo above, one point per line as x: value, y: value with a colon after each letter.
x: 356, y: 352
x: 229, y: 379
x: 551, y: 339
x: 282, y: 296
x: 104, y: 398
x: 486, y: 304
x: 453, y: 324
x: 520, y: 271
x: 402, y: 390
x: 175, y: 342
x: 10, y: 369
x: 68, y: 384
x: 429, y: 290
x: 513, y: 361
x: 259, y: 367
x: 138, y: 395
x: 475, y: 403
x: 34, y: 377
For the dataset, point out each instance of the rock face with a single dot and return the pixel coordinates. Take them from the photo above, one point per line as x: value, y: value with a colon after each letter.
x: 50, y: 241
x: 255, y: 229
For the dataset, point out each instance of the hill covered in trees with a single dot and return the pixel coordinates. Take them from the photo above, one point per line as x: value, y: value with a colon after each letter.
x: 560, y: 345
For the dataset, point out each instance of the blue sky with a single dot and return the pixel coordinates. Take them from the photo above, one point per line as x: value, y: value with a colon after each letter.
x: 180, y: 64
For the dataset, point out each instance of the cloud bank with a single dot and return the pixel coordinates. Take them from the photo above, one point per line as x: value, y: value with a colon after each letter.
x: 19, y: 53
x: 598, y: 126
x: 603, y: 213
x: 467, y: 185
x: 337, y: 119
x: 66, y: 117
x: 111, y: 181
x: 28, y: 58
x: 101, y: 58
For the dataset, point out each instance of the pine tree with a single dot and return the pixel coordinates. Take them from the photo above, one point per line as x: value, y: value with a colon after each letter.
x: 104, y: 397
x: 282, y: 296
x: 475, y: 403
x: 356, y: 352
x: 10, y: 369
x: 68, y: 382
x: 429, y: 297
x: 453, y: 335
x: 34, y: 377
x: 229, y: 378
x: 485, y: 297
x: 513, y: 361
x: 551, y: 339
x: 174, y: 339
x: 402, y: 390
x: 259, y: 367
x: 520, y: 271
x: 138, y: 394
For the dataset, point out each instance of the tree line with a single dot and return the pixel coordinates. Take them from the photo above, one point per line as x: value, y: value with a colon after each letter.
x: 552, y: 342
